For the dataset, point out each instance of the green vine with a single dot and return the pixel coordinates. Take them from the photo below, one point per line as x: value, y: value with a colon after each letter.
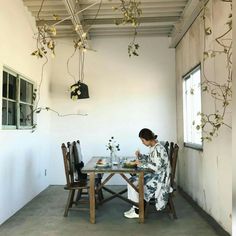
x: 220, y: 92
x: 131, y: 13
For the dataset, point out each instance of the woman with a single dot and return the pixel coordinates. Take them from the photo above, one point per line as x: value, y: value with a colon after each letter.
x: 157, y: 183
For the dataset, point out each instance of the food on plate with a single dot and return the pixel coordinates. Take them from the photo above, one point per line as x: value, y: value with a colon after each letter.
x: 130, y: 164
x: 101, y: 162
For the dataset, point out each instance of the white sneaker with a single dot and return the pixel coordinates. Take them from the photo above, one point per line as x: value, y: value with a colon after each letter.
x: 132, y: 215
x: 129, y: 211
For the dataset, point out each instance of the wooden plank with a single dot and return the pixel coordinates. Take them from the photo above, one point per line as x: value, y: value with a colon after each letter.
x: 92, y: 197
x: 129, y: 182
x: 141, y: 197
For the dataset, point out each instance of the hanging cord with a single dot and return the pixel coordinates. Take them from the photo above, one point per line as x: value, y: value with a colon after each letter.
x: 81, y: 65
x: 67, y: 65
x: 40, y: 9
x: 94, y: 19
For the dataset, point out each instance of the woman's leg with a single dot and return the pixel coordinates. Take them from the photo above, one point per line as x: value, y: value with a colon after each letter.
x: 132, y: 194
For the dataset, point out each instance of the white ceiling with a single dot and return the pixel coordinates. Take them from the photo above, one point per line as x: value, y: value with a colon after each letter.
x: 158, y: 17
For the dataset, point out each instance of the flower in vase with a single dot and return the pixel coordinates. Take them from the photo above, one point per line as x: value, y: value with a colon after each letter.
x: 112, y: 145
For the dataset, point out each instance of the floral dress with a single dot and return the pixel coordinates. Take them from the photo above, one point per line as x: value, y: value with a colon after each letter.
x: 157, y: 183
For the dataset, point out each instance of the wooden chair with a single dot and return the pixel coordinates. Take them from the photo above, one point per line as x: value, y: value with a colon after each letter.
x: 173, y: 162
x: 172, y: 151
x: 77, y: 161
x: 71, y: 184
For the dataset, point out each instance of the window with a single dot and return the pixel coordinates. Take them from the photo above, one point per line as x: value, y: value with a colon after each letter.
x: 17, y: 101
x: 192, y: 106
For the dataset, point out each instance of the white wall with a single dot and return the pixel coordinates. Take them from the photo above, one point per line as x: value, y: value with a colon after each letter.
x: 24, y: 155
x: 234, y: 124
x: 206, y: 176
x: 126, y: 94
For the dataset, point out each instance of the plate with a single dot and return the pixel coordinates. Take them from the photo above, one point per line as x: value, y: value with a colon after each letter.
x: 102, y: 164
x: 129, y: 165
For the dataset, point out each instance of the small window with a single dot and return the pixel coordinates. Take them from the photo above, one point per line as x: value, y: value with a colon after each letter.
x: 17, y: 101
x: 192, y: 107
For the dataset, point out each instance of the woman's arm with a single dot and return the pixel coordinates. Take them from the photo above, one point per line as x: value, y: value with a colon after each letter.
x: 157, y: 160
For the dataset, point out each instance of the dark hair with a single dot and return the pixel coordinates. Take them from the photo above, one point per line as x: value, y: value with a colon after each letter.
x: 147, y: 134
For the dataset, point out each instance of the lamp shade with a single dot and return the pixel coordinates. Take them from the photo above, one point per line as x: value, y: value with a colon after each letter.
x: 79, y: 91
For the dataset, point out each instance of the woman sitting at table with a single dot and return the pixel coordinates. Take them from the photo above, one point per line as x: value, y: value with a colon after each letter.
x: 156, y: 183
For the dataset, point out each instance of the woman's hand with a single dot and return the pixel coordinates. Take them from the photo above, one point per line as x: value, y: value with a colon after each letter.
x: 137, y: 162
x: 137, y: 153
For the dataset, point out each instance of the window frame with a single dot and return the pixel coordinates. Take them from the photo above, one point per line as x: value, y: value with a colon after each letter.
x: 19, y: 78
x: 185, y: 77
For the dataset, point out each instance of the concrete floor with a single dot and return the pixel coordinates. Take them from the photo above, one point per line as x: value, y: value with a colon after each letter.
x: 44, y: 216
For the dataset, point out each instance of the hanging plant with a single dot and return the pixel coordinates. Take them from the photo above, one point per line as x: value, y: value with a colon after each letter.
x: 44, y: 40
x: 131, y: 13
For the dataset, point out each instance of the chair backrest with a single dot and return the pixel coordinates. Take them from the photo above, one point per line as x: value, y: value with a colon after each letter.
x: 76, y: 158
x: 67, y: 165
x: 78, y: 152
x: 166, y: 146
x: 173, y: 162
x: 169, y: 149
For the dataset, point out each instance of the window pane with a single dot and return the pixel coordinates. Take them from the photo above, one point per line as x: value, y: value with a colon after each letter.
x: 26, y: 91
x: 192, y: 106
x: 12, y: 87
x: 4, y: 85
x: 26, y: 115
x: 11, y: 113
x: 4, y: 112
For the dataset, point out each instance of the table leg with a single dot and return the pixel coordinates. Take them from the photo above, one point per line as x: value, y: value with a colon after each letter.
x: 141, y: 197
x: 92, y: 197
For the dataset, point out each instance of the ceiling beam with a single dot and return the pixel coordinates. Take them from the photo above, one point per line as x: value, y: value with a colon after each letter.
x: 189, y: 15
x: 143, y: 5
x: 52, y: 22
x: 152, y: 9
x: 142, y: 20
x: 164, y: 34
x: 72, y: 10
x: 29, y: 3
x: 142, y: 1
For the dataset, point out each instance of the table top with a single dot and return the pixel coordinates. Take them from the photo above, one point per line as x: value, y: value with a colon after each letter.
x: 91, y: 166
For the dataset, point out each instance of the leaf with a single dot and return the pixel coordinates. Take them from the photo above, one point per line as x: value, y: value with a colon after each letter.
x: 208, y: 31
x: 205, y: 88
x: 53, y: 30
x: 56, y: 17
x: 34, y: 96
x: 229, y: 23
x: 205, y: 55
x: 51, y: 44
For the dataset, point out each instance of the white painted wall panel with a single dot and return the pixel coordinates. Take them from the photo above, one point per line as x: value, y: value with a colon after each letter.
x: 206, y: 176
x: 126, y: 94
x: 24, y: 155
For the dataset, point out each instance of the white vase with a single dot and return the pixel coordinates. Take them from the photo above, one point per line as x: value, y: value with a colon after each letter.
x: 114, y: 158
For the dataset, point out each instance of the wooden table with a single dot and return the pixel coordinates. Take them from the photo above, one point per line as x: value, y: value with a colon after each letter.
x: 91, y: 169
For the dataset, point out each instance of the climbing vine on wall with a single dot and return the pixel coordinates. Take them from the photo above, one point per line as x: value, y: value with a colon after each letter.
x: 220, y: 92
